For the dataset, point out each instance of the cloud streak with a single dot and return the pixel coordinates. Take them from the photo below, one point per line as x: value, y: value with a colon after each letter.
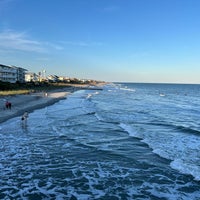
x: 20, y: 41
x: 82, y: 44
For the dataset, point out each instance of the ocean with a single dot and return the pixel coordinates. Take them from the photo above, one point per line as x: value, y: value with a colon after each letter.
x: 127, y: 141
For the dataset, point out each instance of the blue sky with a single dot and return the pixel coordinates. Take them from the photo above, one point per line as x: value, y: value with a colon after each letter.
x: 110, y: 40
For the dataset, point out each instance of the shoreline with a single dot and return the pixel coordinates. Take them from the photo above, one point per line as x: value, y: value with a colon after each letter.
x: 34, y: 101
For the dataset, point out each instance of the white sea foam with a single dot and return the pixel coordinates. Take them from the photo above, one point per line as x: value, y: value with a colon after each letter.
x: 131, y: 130
x: 182, y: 149
x: 100, y: 118
x: 73, y: 155
x: 67, y: 145
x: 160, y: 152
x: 128, y: 89
x: 186, y: 168
x: 89, y: 96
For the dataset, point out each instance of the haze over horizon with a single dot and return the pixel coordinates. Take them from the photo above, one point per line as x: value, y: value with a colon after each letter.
x: 111, y: 40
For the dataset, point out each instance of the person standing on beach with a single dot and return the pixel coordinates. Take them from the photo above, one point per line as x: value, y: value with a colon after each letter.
x: 8, y: 105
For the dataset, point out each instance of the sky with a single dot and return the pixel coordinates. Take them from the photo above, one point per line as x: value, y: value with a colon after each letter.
x: 152, y: 41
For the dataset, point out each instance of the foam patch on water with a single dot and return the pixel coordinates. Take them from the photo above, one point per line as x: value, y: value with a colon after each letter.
x: 131, y: 130
x: 76, y: 156
x: 186, y: 168
x: 128, y: 89
x: 183, y: 149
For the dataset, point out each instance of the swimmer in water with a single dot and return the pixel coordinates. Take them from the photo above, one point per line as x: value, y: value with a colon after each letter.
x: 25, y: 116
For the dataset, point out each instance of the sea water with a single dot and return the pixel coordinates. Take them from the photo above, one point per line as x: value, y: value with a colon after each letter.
x: 127, y: 141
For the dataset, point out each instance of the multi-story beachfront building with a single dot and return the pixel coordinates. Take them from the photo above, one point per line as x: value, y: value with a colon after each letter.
x: 20, y: 74
x: 12, y: 74
x: 8, y: 74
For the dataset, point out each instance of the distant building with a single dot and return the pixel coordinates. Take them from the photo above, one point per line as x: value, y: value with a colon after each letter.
x: 64, y: 79
x: 20, y: 74
x: 53, y: 78
x: 31, y: 77
x: 12, y: 74
x: 7, y: 74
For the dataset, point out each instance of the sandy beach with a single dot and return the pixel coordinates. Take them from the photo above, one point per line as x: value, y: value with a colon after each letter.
x: 33, y: 101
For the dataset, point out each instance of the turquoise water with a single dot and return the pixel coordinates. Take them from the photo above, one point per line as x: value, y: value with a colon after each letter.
x: 128, y: 141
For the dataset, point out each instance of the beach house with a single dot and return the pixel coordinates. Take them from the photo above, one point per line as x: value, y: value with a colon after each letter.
x: 31, y: 77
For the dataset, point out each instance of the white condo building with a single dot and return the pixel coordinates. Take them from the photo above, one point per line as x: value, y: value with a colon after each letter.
x: 12, y: 74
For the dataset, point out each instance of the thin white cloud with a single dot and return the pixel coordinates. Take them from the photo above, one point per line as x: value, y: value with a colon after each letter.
x: 54, y: 46
x: 19, y: 41
x: 11, y: 40
x: 82, y: 44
